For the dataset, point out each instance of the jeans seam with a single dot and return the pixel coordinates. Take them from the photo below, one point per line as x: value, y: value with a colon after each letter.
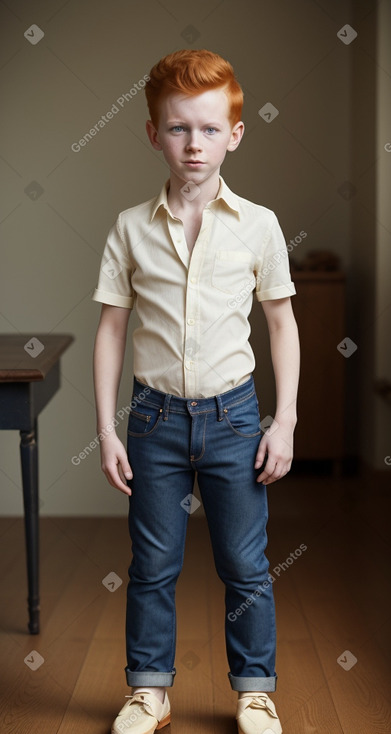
x: 147, y: 433
x: 242, y: 435
x: 174, y: 622
x: 141, y: 416
x: 239, y: 401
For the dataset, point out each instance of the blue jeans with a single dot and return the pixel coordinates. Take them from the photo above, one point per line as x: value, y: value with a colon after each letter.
x: 169, y: 438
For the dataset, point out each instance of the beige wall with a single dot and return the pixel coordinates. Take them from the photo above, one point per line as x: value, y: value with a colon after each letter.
x: 91, y: 53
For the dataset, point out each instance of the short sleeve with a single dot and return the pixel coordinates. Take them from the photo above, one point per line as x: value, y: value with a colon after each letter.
x: 114, y: 283
x: 273, y: 279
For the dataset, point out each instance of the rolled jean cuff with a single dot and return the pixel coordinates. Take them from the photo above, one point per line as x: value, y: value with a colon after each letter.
x: 149, y: 678
x: 243, y: 683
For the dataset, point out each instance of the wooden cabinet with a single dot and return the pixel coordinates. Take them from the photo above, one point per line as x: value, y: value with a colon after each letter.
x: 319, y: 309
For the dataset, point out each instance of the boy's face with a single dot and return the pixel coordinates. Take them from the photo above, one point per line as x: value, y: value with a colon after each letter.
x: 195, y: 133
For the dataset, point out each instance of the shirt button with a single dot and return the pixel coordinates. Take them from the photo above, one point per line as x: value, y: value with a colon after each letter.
x: 190, y: 322
x: 193, y: 280
x: 187, y: 365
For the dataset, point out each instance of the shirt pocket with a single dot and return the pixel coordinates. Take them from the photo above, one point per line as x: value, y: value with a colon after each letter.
x: 233, y: 271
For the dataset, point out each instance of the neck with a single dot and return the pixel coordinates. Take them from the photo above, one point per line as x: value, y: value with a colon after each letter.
x: 208, y: 190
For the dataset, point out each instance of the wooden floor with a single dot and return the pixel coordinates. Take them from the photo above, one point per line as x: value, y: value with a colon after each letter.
x: 332, y: 603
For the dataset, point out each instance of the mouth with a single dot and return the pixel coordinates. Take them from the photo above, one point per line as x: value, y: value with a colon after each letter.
x: 193, y: 163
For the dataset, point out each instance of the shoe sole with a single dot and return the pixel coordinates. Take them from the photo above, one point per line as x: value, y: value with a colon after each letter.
x: 160, y: 725
x: 164, y: 722
x: 240, y: 731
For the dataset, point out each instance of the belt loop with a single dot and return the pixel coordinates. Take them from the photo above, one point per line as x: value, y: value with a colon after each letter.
x: 220, y: 411
x: 166, y: 406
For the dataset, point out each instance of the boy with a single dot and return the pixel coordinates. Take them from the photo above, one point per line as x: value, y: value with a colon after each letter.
x: 190, y: 260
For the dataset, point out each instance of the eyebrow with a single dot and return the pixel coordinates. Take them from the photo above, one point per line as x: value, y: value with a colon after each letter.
x: 181, y: 122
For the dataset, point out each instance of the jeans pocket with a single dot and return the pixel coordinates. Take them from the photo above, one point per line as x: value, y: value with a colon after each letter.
x: 143, y: 420
x: 243, y: 417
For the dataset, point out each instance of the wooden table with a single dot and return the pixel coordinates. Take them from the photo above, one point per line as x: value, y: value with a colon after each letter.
x: 29, y: 377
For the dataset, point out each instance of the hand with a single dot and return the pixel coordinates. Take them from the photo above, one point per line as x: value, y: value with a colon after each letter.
x: 115, y: 463
x: 279, y: 449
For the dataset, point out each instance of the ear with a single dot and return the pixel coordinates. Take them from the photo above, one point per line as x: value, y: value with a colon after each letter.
x: 153, y: 135
x: 236, y: 136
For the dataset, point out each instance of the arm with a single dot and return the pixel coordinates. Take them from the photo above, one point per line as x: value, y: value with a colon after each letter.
x: 109, y: 350
x: 285, y: 352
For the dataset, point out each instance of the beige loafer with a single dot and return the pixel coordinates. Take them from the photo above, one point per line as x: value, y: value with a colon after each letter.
x: 142, y: 714
x: 256, y: 714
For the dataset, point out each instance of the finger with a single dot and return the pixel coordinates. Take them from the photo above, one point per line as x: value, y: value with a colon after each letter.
x: 278, y: 472
x: 268, y: 471
x: 260, y: 457
x: 118, y: 484
x: 116, y: 481
x: 121, y: 481
x: 261, y: 453
x: 126, y: 470
x: 269, y: 465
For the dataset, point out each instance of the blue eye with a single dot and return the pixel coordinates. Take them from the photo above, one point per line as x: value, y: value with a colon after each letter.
x: 177, y: 128
x: 211, y: 128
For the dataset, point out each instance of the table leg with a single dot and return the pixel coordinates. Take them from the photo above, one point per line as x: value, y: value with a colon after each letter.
x: 29, y: 460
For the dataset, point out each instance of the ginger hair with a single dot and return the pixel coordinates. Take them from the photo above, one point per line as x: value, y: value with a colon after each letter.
x: 192, y: 72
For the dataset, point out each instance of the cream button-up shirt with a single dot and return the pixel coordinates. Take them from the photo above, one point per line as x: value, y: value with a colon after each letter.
x: 193, y: 307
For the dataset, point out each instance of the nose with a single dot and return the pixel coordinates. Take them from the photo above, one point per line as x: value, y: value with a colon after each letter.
x: 193, y: 142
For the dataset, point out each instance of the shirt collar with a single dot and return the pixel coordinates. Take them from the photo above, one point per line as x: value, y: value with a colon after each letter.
x: 224, y: 193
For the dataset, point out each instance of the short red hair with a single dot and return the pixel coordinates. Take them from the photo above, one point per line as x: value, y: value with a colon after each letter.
x: 193, y: 72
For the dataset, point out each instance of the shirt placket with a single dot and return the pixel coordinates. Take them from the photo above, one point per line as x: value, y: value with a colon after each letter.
x: 191, y: 317
x: 193, y: 327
